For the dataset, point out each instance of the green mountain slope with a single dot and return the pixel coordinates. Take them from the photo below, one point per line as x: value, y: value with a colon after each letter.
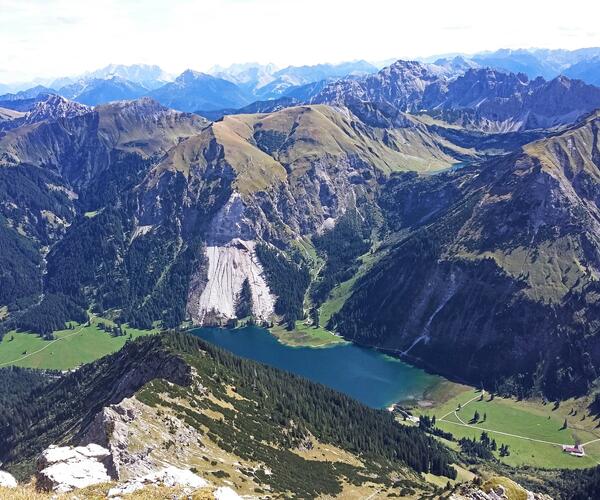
x: 151, y: 216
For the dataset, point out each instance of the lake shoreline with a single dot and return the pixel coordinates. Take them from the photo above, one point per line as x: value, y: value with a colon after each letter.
x: 369, y: 375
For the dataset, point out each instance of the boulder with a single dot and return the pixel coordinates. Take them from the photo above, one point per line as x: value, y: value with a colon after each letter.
x: 63, y: 469
x: 7, y: 480
x: 169, y: 476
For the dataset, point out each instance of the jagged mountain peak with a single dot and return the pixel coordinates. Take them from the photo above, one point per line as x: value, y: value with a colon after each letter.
x: 193, y: 78
x: 494, y: 75
x: 400, y: 85
x: 405, y: 65
x: 413, y: 72
x: 150, y: 76
x: 191, y: 75
x: 403, y: 70
x: 134, y: 72
x: 143, y: 105
x: 566, y: 82
x: 193, y: 90
x: 55, y: 107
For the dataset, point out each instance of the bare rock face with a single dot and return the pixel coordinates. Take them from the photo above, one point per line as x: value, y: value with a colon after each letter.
x: 54, y: 108
x: 169, y: 476
x: 7, y: 480
x: 63, y: 469
x: 228, y: 267
x: 231, y: 260
x: 496, y: 488
x: 498, y: 493
x: 110, y: 427
x: 140, y: 444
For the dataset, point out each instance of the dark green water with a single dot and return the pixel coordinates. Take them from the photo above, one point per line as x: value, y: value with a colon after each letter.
x: 367, y: 375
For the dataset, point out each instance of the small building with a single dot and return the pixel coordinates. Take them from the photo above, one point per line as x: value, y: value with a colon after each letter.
x: 575, y: 450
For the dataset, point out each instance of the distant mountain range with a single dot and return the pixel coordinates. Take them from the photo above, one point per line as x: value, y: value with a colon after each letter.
x: 536, y: 62
x: 99, y: 91
x: 193, y: 90
x: 455, y: 91
x: 547, y: 63
x: 253, y: 87
x: 148, y: 76
x: 588, y: 71
x: 232, y: 87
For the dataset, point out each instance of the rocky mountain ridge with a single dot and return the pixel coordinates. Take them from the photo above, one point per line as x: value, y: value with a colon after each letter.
x: 479, y: 99
x: 174, y: 401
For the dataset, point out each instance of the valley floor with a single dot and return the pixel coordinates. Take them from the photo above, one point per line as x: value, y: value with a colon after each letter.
x: 533, y: 430
x: 69, y: 349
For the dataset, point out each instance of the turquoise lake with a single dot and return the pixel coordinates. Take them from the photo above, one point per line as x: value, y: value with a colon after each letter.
x: 374, y: 378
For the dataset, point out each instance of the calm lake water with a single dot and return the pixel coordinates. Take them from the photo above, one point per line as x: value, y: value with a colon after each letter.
x: 365, y: 374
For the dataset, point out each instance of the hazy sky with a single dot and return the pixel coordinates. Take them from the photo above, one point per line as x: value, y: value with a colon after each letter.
x: 50, y: 38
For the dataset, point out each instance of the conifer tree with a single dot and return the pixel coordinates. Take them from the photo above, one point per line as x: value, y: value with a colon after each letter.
x: 244, y: 304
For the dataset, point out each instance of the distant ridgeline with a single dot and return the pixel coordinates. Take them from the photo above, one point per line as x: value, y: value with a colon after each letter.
x: 488, y: 273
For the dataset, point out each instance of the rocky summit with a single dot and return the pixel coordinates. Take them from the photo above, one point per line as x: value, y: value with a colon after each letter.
x: 63, y: 469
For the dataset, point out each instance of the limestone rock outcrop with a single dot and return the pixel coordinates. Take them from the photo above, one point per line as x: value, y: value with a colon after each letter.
x: 7, y: 480
x: 225, y: 493
x: 63, y: 469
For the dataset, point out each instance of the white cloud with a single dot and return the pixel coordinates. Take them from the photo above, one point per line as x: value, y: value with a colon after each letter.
x: 61, y: 37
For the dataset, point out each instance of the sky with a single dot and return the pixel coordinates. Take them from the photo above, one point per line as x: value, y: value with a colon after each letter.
x: 54, y: 38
